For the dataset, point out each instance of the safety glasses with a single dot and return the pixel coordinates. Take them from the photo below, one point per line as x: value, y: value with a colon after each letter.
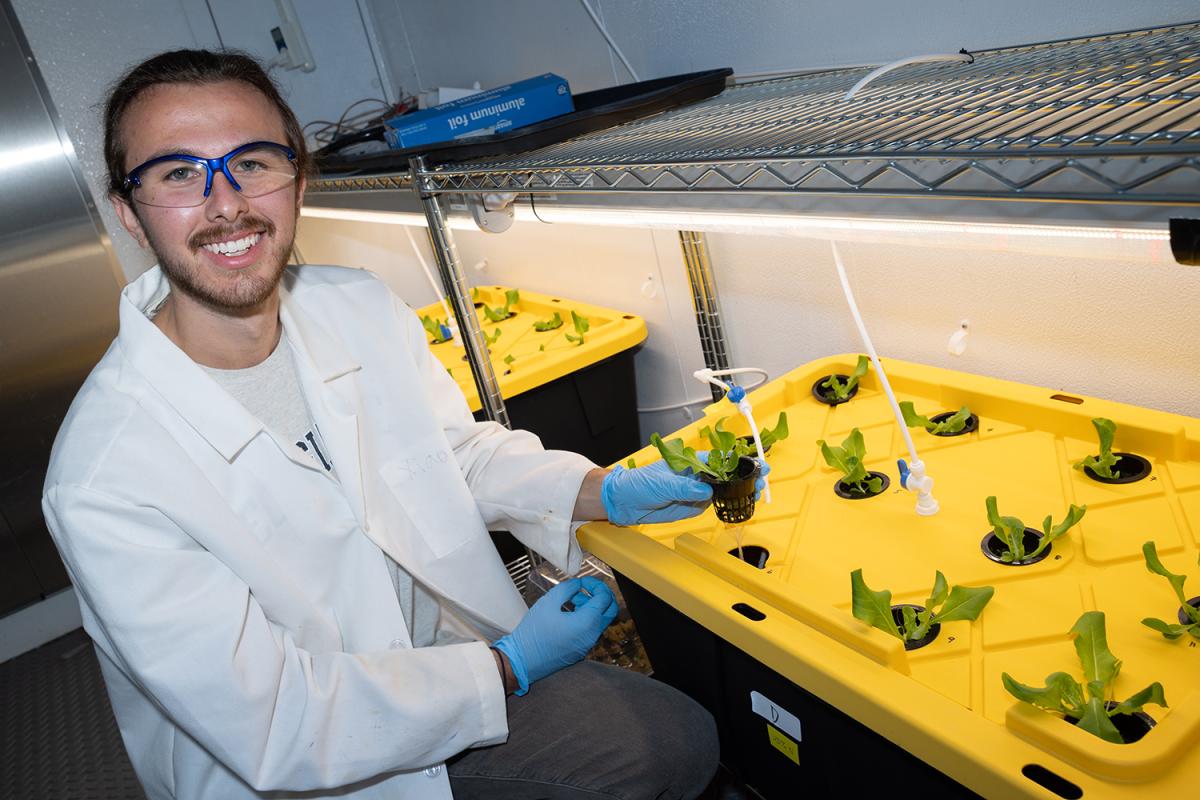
x: 183, y: 181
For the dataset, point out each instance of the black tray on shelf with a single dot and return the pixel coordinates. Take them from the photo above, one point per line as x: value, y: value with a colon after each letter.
x: 594, y: 111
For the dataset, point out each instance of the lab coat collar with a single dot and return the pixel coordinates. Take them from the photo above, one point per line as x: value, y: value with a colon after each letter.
x: 212, y: 413
x: 324, y: 352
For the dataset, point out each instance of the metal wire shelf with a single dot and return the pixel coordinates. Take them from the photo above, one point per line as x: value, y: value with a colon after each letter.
x: 1112, y: 118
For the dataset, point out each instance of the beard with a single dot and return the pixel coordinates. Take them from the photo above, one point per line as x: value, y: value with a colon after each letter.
x: 240, y: 292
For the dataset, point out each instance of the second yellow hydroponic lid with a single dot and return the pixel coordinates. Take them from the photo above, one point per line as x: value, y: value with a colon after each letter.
x: 524, y: 358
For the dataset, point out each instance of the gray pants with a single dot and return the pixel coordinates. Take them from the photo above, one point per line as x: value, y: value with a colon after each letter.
x: 593, y: 732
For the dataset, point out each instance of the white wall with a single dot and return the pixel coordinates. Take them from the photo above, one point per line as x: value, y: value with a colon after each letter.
x: 1113, y: 323
x: 456, y: 42
x: 82, y: 48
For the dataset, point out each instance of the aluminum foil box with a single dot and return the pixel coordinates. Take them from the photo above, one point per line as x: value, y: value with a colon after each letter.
x: 493, y: 111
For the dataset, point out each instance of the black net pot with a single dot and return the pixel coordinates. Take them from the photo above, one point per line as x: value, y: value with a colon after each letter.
x: 1132, y: 727
x: 914, y: 644
x: 1129, y: 466
x: 841, y: 489
x: 993, y: 547
x: 733, y: 500
x: 752, y: 554
x: 825, y: 395
x: 971, y: 425
x: 1184, y: 619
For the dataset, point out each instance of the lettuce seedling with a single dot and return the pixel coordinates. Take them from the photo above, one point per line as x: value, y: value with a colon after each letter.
x: 509, y: 359
x: 501, y: 312
x: 840, y: 390
x: 1011, y: 531
x: 726, y: 450
x: 681, y: 458
x: 1168, y: 629
x: 849, y: 459
x: 493, y: 336
x: 630, y: 464
x: 549, y: 324
x: 952, y: 424
x: 943, y: 605
x: 436, y: 328
x: 1087, y: 703
x: 581, y: 327
x: 1103, y: 464
x: 770, y: 436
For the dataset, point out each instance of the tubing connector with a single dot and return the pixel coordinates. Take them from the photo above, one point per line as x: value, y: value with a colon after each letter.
x: 915, y: 480
x: 737, y: 395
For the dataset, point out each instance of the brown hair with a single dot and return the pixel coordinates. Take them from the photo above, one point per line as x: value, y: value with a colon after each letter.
x: 190, y: 66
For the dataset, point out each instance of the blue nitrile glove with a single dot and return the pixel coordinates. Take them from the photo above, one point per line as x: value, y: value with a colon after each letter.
x: 653, y: 493
x: 548, y: 638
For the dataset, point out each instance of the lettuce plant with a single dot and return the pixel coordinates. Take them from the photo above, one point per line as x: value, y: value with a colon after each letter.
x: 840, y: 390
x: 436, y: 328
x: 952, y: 424
x: 1092, y: 703
x: 509, y: 359
x: 849, y: 459
x: 1011, y: 531
x: 493, y: 336
x: 726, y: 450
x: 549, y: 324
x: 511, y: 297
x: 943, y: 605
x: 1103, y: 464
x: 581, y: 327
x: 1168, y: 629
x: 770, y: 436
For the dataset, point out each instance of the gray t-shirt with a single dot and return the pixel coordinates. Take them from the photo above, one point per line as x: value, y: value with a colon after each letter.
x: 271, y: 392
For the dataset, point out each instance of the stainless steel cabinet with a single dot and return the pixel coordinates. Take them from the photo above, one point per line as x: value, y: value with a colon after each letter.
x: 58, y: 306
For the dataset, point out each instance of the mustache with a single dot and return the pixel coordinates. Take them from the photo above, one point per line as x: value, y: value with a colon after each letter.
x: 223, y: 233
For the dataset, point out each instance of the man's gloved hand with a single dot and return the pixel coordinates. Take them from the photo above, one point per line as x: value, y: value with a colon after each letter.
x: 653, y: 493
x: 548, y: 638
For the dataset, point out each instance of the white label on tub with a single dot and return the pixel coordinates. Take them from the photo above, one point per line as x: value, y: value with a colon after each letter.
x: 785, y: 720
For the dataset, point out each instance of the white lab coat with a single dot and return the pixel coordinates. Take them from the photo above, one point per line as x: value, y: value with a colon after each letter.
x: 243, y: 614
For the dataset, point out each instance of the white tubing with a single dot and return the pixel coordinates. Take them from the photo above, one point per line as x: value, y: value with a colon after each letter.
x: 707, y: 376
x: 866, y: 337
x: 604, y: 32
x: 964, y: 57
x: 436, y: 288
x: 686, y: 403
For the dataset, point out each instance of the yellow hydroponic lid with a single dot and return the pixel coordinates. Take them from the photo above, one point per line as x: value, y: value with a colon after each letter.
x: 945, y: 703
x: 537, y: 357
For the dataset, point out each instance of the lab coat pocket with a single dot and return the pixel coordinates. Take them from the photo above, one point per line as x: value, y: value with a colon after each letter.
x: 429, y: 485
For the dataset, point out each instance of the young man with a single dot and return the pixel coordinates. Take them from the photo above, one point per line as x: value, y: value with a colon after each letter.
x: 274, y: 505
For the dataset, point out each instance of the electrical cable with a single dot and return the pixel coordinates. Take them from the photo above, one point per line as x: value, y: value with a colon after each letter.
x: 533, y: 208
x: 604, y: 32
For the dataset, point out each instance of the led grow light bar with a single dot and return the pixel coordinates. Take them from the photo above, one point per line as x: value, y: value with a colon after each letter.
x: 1049, y: 239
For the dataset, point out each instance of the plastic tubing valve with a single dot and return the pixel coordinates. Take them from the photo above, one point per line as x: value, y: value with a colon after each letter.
x: 915, y: 480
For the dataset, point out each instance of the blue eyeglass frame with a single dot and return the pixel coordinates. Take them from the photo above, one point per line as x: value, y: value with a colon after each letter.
x: 214, y: 165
